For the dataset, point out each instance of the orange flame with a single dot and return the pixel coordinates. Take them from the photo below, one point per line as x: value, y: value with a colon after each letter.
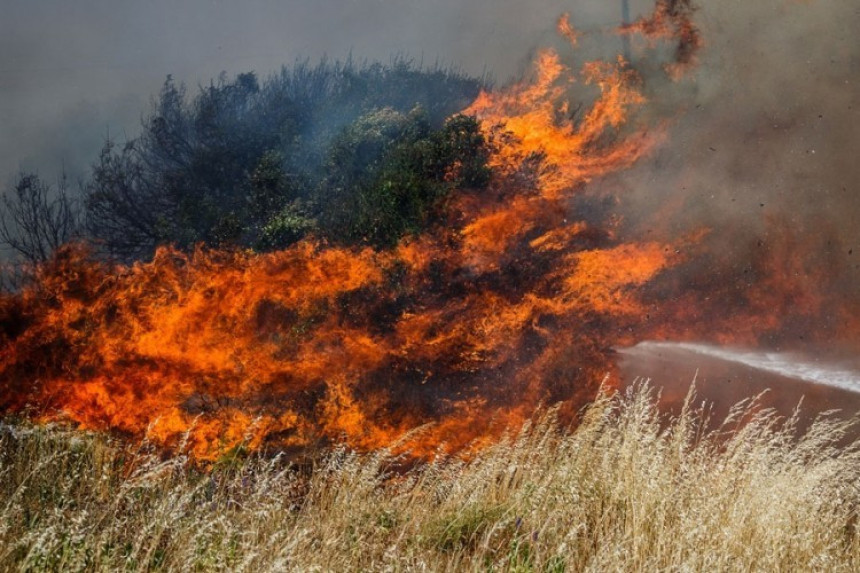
x: 469, y: 327
x: 539, y: 121
x: 566, y: 29
x: 511, y: 302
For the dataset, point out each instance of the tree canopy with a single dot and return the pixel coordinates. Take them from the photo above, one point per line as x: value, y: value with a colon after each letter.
x: 352, y: 153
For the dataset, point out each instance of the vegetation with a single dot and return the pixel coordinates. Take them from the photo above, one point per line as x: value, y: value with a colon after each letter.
x: 387, y: 171
x: 349, y: 152
x: 624, y: 491
x: 352, y: 153
x: 35, y: 219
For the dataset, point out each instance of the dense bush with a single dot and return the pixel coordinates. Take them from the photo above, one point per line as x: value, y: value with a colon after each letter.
x: 387, y: 171
x: 354, y: 153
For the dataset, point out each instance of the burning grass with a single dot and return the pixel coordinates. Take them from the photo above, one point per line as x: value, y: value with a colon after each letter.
x: 624, y: 490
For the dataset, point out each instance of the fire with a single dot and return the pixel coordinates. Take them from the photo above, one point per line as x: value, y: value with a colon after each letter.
x: 672, y: 20
x: 540, y: 121
x: 514, y: 301
x: 469, y: 328
x: 566, y: 29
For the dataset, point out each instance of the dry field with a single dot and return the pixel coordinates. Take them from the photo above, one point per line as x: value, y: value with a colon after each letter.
x: 625, y: 490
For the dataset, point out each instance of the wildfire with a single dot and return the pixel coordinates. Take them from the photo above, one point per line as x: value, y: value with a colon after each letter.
x: 515, y: 301
x: 671, y: 20
x: 566, y: 29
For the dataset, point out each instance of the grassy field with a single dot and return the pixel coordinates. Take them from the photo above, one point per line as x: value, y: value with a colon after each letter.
x: 623, y: 491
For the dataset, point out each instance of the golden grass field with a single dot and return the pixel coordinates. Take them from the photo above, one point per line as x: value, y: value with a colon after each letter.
x: 625, y: 490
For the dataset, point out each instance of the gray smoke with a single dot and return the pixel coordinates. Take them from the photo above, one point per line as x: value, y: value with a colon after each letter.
x: 72, y: 71
x: 768, y: 128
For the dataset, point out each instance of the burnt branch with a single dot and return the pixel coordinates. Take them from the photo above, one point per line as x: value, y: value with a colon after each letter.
x: 37, y: 218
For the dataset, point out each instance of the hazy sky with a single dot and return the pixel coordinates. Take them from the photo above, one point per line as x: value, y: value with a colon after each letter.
x: 71, y: 69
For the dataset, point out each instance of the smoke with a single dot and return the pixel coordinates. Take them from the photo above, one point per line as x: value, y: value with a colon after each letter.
x: 69, y: 72
x: 766, y: 130
x: 758, y: 160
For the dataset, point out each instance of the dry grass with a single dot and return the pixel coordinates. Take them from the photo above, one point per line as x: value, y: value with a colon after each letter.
x: 621, y: 492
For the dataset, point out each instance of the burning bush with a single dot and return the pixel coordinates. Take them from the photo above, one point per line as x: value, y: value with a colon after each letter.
x: 501, y: 304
